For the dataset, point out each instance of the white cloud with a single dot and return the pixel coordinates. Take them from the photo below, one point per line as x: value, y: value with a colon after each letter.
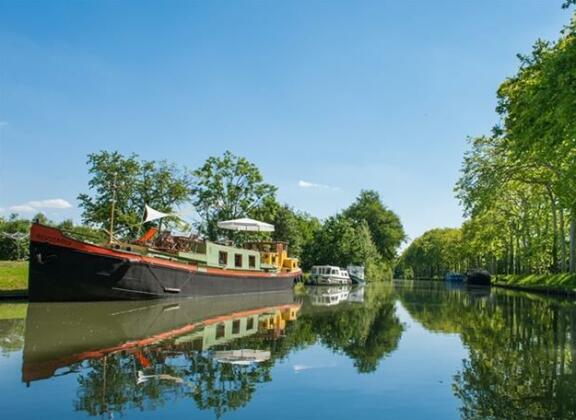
x: 37, y: 205
x: 22, y: 208
x: 55, y: 203
x: 307, y: 184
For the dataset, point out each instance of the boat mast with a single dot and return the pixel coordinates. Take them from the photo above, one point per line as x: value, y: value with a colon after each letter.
x: 112, y: 207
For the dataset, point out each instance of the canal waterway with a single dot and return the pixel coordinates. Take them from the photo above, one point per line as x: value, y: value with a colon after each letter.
x: 393, y: 350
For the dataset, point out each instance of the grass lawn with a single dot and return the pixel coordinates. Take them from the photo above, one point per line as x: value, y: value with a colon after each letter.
x: 563, y: 281
x: 13, y: 276
x: 13, y: 310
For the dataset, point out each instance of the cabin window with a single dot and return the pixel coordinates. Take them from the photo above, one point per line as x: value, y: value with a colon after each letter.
x: 252, y: 261
x: 334, y: 271
x: 236, y: 326
x: 220, y: 331
x: 238, y: 260
x: 250, y: 324
x: 223, y: 258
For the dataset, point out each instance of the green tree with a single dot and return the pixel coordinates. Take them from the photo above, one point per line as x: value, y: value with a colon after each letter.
x: 227, y: 187
x: 292, y: 226
x: 13, y: 241
x: 518, y: 185
x: 342, y: 241
x: 385, y: 226
x: 134, y: 183
x: 433, y: 254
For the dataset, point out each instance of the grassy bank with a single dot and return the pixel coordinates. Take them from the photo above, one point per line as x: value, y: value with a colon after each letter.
x: 539, y: 282
x: 13, y: 277
x: 13, y: 310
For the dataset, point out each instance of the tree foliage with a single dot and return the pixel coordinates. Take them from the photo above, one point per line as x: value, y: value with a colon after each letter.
x: 384, y: 225
x: 227, y: 187
x: 433, y: 254
x: 295, y: 227
x: 366, y: 233
x: 518, y: 184
x: 135, y: 183
x: 11, y: 230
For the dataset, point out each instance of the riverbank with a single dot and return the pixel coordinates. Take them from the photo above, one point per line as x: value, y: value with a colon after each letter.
x: 13, y: 278
x: 555, y: 284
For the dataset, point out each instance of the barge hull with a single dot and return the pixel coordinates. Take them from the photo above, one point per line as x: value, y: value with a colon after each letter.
x: 59, y: 273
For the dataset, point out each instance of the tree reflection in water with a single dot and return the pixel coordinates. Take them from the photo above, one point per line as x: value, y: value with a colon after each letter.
x: 152, y: 376
x: 364, y: 332
x: 111, y: 384
x: 521, y: 360
x: 12, y: 316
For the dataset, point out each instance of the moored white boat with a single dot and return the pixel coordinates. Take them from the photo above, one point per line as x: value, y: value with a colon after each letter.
x: 329, y: 275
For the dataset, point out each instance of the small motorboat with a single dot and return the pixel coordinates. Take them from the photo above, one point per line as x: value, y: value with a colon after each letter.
x: 329, y: 275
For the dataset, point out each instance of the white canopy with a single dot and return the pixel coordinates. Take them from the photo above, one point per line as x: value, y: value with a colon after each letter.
x: 151, y: 214
x: 246, y: 224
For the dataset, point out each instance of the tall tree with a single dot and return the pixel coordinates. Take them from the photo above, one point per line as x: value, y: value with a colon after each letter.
x: 385, y: 226
x: 342, y: 241
x: 227, y: 187
x: 133, y: 183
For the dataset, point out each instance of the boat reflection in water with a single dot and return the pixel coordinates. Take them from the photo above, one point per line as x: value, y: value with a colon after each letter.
x: 133, y: 354
x: 334, y: 295
x: 242, y: 357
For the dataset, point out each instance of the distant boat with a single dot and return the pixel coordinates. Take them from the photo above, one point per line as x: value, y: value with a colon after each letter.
x: 329, y: 275
x: 356, y: 273
x: 455, y: 277
x: 478, y: 277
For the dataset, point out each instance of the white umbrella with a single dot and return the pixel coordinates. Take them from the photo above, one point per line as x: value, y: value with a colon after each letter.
x: 241, y: 357
x: 246, y: 224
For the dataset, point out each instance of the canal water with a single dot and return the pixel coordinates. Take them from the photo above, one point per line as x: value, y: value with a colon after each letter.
x: 396, y: 350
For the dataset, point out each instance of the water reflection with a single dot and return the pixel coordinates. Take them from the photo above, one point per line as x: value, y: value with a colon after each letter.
x: 141, y: 355
x: 521, y: 361
x: 366, y: 333
x: 334, y: 295
x: 12, y: 318
x: 328, y: 296
x: 219, y: 352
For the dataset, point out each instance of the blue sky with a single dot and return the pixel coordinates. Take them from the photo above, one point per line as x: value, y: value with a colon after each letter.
x: 326, y: 97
